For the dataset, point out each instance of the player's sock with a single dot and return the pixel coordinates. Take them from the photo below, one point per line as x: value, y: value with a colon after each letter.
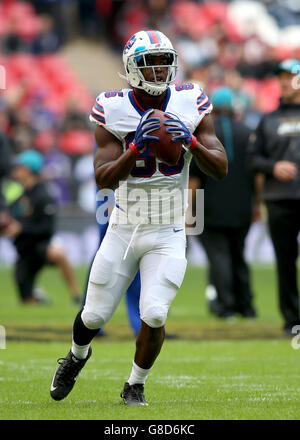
x: 138, y: 374
x: 80, y: 351
x: 82, y: 337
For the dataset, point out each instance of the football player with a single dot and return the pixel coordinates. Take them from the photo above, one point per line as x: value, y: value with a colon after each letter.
x: 124, y: 163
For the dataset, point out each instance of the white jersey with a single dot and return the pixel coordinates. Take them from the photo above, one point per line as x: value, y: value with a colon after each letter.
x: 153, y: 192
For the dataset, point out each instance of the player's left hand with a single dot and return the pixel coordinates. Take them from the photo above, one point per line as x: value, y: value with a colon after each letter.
x: 180, y: 130
x: 146, y: 126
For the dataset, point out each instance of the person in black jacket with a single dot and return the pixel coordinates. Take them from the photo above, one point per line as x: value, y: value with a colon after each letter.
x: 274, y: 150
x: 34, y: 216
x: 227, y: 214
x: 5, y: 165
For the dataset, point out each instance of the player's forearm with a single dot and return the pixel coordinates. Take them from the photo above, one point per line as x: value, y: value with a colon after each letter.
x: 109, y: 174
x: 261, y: 164
x: 212, y: 162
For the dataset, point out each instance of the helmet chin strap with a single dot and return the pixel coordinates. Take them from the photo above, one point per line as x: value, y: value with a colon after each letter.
x: 154, y: 90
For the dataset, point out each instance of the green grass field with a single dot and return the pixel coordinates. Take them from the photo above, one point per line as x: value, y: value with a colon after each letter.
x: 215, y: 370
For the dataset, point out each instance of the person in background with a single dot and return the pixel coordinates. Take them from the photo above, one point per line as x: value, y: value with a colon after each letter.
x: 32, y: 228
x: 75, y: 118
x: 274, y: 150
x: 47, y: 40
x: 11, y: 42
x: 5, y: 165
x: 227, y: 215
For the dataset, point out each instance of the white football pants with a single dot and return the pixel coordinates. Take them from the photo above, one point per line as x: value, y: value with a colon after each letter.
x: 159, y: 253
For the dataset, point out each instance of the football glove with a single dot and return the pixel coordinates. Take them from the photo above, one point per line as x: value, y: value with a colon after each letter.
x: 182, y: 133
x: 145, y: 127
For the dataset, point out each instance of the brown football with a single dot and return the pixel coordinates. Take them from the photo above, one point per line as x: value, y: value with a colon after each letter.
x: 165, y: 149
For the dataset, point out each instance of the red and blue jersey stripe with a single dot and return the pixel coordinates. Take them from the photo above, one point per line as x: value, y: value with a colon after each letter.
x: 98, y: 113
x: 203, y: 102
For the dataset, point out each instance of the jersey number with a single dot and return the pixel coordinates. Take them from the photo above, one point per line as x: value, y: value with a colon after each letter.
x: 113, y: 93
x: 146, y: 163
x: 184, y: 86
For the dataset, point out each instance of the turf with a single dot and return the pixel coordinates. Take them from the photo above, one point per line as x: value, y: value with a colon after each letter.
x: 215, y: 370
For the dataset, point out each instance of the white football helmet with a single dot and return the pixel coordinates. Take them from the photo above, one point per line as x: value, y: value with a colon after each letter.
x: 135, y: 53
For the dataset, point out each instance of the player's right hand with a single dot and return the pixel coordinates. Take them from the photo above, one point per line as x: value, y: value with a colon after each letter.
x: 145, y: 127
x: 285, y: 170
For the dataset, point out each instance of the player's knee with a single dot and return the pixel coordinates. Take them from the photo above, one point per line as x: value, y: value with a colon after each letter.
x: 154, y: 316
x: 92, y: 320
x: 99, y: 305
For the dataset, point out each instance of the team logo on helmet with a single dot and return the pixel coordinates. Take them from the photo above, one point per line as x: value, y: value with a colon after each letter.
x: 129, y: 44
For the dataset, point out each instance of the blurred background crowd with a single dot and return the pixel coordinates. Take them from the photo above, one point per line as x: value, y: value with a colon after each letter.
x: 59, y: 54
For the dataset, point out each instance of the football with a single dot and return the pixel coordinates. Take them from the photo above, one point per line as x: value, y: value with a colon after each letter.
x: 166, y: 150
